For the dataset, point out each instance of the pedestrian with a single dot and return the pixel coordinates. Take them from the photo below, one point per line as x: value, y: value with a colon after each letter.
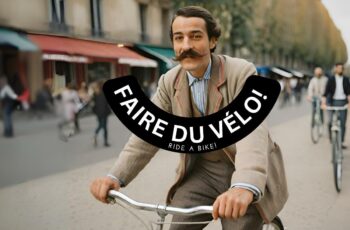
x: 245, y: 182
x: 44, y: 100
x: 298, y: 91
x: 8, y: 100
x: 68, y: 102
x: 83, y: 93
x: 337, y: 93
x: 315, y: 90
x: 286, y: 92
x: 84, y: 99
x: 101, y: 109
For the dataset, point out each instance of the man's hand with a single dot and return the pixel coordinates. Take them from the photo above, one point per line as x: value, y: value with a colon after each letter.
x: 100, y: 187
x: 323, y: 103
x: 232, y: 203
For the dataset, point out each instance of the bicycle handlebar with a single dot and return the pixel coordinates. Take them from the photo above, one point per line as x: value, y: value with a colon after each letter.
x: 337, y: 108
x: 115, y: 195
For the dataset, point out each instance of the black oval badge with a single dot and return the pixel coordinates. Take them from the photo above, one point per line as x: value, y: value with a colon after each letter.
x: 191, y: 135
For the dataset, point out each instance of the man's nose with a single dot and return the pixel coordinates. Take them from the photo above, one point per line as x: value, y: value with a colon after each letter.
x: 187, y: 44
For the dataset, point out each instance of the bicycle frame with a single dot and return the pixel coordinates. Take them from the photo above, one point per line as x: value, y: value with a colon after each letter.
x: 318, y: 110
x: 316, y: 124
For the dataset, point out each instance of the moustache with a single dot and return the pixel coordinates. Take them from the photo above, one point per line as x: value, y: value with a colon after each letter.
x: 188, y: 53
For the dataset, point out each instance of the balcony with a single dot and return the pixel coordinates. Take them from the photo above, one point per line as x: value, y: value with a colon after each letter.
x: 57, y: 27
x: 98, y: 33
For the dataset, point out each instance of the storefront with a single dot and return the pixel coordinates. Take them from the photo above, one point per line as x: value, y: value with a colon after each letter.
x: 163, y: 55
x: 15, y: 52
x: 70, y: 60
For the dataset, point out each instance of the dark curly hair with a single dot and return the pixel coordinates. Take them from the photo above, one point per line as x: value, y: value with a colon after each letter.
x: 213, y: 28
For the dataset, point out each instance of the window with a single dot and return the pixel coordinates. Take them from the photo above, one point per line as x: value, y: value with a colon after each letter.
x: 58, y: 20
x: 98, y: 71
x: 95, y: 8
x: 143, y: 21
x: 57, y: 11
x: 165, y: 26
x: 65, y: 69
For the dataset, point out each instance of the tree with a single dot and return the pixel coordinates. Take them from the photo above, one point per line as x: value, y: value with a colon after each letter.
x: 293, y: 33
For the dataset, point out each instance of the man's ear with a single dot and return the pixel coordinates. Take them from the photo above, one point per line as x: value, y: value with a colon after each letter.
x: 212, y: 43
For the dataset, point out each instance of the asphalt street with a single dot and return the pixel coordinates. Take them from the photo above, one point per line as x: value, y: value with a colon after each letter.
x: 36, y: 150
x: 45, y: 182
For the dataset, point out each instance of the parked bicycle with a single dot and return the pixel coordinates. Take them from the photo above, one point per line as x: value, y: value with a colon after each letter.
x: 316, y: 123
x: 337, y: 152
x: 163, y: 211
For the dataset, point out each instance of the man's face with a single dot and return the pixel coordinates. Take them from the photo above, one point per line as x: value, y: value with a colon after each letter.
x: 191, y: 34
x: 318, y: 72
x: 339, y: 69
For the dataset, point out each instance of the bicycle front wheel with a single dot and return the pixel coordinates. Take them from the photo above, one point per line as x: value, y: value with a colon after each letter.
x: 315, y: 131
x: 338, y: 176
x: 336, y: 160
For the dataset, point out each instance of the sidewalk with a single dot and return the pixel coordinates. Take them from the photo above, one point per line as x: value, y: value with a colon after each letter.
x: 63, y: 201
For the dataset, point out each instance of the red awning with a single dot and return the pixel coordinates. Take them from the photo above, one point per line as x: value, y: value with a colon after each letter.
x: 78, y: 50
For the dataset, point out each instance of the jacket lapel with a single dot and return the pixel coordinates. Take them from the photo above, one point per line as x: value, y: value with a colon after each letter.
x: 217, y: 79
x: 182, y: 95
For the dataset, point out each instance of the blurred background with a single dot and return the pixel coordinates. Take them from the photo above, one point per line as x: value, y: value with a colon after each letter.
x: 57, y: 50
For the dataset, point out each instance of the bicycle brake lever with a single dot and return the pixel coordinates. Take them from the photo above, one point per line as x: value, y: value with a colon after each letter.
x: 111, y: 200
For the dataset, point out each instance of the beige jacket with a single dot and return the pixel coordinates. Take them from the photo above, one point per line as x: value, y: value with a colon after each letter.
x: 317, y: 86
x: 258, y: 160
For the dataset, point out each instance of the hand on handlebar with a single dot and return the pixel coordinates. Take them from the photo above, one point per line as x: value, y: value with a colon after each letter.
x: 99, y: 188
x: 232, y: 203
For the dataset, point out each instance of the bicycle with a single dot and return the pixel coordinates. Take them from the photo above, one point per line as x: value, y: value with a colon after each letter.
x: 337, y: 152
x: 316, y: 124
x: 164, y: 210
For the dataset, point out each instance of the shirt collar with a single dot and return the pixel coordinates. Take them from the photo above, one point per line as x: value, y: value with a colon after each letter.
x: 206, y: 75
x: 338, y: 76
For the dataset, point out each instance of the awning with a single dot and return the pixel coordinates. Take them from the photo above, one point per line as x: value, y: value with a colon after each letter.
x: 297, y: 73
x: 282, y: 72
x: 84, y: 51
x: 13, y: 38
x: 145, y: 62
x: 263, y: 70
x: 163, y: 53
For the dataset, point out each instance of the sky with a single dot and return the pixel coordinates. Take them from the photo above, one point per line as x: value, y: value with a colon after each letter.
x: 339, y: 11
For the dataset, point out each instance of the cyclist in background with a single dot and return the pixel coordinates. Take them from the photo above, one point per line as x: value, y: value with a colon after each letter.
x: 316, y: 89
x: 337, y: 93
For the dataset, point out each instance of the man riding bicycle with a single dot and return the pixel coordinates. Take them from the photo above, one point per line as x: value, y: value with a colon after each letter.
x: 245, y: 182
x: 337, y: 93
x: 316, y: 89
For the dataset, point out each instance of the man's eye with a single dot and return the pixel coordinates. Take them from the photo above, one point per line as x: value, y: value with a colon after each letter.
x: 197, y: 36
x: 177, y: 38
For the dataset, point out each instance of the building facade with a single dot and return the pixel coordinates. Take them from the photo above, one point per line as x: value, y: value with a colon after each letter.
x: 82, y: 40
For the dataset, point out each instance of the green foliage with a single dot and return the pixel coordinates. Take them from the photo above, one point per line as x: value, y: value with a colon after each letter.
x: 282, y: 29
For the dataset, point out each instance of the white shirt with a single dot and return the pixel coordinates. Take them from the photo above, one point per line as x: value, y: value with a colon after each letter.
x: 7, y: 91
x: 199, y: 88
x: 339, y: 89
x: 317, y: 86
